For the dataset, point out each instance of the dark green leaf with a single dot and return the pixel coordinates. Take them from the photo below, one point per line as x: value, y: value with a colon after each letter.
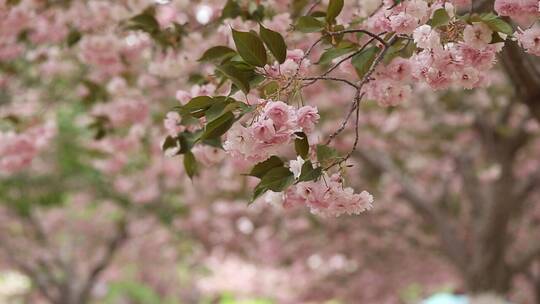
x: 250, y: 47
x: 73, y: 37
x: 325, y: 154
x: 197, y: 106
x: 269, y: 89
x: 308, y: 24
x: 440, y: 18
x: 231, y: 10
x: 190, y: 164
x: 301, y: 145
x: 496, y: 38
x: 333, y: 53
x: 334, y: 8
x: 187, y: 140
x: 308, y: 173
x: 217, y: 53
x: 362, y: 62
x: 277, y: 179
x: 238, y: 76
x: 499, y: 25
x: 275, y: 43
x: 169, y: 143
x: 145, y: 22
x: 260, y: 169
x: 218, y: 126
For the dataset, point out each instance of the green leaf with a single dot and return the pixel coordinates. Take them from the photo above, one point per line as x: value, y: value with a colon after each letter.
x: 333, y: 53
x: 334, y: 8
x: 440, y: 18
x: 499, y: 25
x: 301, y: 145
x: 308, y: 173
x: 231, y: 10
x: 190, y: 164
x: 362, y: 61
x: 260, y: 169
x: 277, y: 179
x: 145, y: 22
x: 197, y: 106
x: 238, y: 76
x: 217, y: 53
x: 187, y: 140
x: 325, y: 154
x: 224, y: 104
x: 73, y: 37
x: 250, y: 47
x: 308, y: 24
x: 275, y: 43
x: 169, y: 142
x: 269, y: 89
x: 218, y: 126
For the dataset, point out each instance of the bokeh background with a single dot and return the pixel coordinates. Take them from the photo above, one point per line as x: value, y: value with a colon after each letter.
x: 92, y: 211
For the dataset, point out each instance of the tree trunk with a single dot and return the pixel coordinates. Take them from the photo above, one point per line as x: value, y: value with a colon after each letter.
x: 496, y: 280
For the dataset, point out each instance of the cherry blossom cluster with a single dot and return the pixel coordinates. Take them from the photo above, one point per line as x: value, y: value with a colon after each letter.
x: 17, y: 150
x: 464, y: 64
x: 326, y: 196
x: 272, y: 130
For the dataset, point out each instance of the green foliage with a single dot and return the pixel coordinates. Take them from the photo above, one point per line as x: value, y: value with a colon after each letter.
x: 190, y: 164
x: 250, y: 47
x: 218, y: 126
x: 230, y: 299
x: 146, y: 22
x: 301, y: 145
x: 220, y: 112
x: 308, y: 173
x: 276, y: 179
x: 135, y: 292
x: 238, y: 74
x: 363, y: 61
x: 309, y: 24
x: 73, y: 37
x: 326, y: 154
x: 343, y: 48
x: 334, y: 8
x: 218, y: 53
x: 260, y: 169
x: 496, y: 24
x: 440, y: 18
x: 275, y: 43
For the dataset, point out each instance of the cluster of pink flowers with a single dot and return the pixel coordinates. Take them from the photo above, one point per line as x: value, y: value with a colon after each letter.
x: 464, y: 64
x: 530, y: 40
x: 12, y: 22
x: 272, y: 130
x: 327, y: 197
x: 390, y: 87
x: 102, y: 52
x: 292, y: 64
x: 402, y: 19
x: 522, y: 11
x: 17, y: 150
